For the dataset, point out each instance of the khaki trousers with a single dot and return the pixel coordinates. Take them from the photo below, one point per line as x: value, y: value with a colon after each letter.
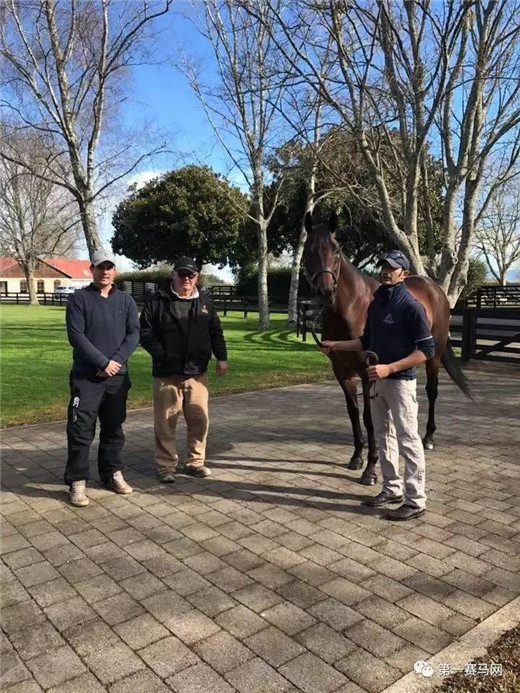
x: 396, y: 427
x: 171, y: 395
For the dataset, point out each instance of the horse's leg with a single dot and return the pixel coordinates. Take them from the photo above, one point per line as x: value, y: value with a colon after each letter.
x: 369, y: 476
x: 348, y: 385
x: 432, y: 389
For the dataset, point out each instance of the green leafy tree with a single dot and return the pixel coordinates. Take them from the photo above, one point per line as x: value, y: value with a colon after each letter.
x: 192, y: 211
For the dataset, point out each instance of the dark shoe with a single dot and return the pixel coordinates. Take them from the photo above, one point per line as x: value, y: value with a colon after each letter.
x: 200, y: 472
x: 168, y: 478
x: 405, y: 512
x: 382, y: 498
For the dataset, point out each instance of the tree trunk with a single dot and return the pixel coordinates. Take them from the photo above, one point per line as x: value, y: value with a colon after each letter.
x: 89, y: 225
x: 28, y: 270
x: 263, y: 295
x: 292, y: 316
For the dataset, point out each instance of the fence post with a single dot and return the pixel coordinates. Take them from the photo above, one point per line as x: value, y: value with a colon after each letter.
x: 469, y: 321
x: 225, y: 306
x: 245, y: 304
x: 304, y: 324
x: 298, y: 309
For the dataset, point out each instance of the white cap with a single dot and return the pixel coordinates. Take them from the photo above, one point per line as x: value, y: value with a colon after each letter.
x: 102, y: 255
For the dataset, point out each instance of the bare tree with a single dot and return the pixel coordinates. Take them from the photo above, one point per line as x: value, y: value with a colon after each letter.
x: 415, y: 77
x: 63, y: 66
x: 498, y: 236
x: 37, y: 218
x: 243, y: 109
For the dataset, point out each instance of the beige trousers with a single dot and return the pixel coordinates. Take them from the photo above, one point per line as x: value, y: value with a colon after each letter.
x: 171, y: 395
x: 394, y: 414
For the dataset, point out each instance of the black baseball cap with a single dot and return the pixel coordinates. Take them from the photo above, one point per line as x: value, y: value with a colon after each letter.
x: 187, y: 264
x: 395, y: 258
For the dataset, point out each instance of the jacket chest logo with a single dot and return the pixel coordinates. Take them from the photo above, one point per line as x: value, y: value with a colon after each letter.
x: 204, y: 309
x: 389, y: 319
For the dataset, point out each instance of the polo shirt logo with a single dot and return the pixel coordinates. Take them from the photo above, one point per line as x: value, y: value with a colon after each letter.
x: 204, y: 309
x: 389, y: 320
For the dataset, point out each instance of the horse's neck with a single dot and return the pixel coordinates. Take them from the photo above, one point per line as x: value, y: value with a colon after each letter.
x: 354, y: 294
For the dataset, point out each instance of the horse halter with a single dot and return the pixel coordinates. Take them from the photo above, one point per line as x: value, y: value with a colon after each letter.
x: 325, y: 270
x: 370, y: 358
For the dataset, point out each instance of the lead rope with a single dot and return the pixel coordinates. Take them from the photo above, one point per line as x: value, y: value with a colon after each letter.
x: 370, y: 358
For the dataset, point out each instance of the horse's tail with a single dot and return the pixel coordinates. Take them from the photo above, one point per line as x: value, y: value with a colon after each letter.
x: 450, y: 363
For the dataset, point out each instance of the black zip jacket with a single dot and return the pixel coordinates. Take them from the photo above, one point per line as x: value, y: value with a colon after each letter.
x: 181, y: 334
x: 396, y: 326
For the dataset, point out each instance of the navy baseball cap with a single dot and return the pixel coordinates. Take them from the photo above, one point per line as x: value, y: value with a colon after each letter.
x: 186, y: 264
x: 395, y: 258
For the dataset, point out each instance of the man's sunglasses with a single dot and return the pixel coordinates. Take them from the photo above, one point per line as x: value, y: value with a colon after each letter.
x: 185, y: 275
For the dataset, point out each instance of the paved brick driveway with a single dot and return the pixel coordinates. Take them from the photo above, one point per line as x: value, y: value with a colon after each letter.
x: 269, y: 576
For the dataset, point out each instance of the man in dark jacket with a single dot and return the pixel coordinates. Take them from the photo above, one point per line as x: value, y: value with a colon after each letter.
x: 103, y: 329
x: 181, y: 329
x: 397, y: 330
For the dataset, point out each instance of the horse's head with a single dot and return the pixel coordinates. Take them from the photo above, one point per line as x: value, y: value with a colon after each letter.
x: 322, y: 257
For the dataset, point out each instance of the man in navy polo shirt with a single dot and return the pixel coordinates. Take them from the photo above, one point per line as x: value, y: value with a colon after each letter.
x: 398, y: 332
x: 103, y: 329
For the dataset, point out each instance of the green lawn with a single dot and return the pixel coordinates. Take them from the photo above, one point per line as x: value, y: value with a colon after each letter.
x: 36, y: 358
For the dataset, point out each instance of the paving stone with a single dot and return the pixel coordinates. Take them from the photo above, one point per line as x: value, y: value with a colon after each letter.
x: 469, y: 606
x: 345, y: 591
x: 186, y: 582
x: 168, y: 656
x: 257, y: 597
x: 385, y: 587
x: 111, y: 664
x: 13, y: 542
x: 223, y: 652
x: 427, y: 609
x: 55, y: 667
x: 97, y: 588
x: 12, y: 670
x: 21, y: 615
x: 405, y: 658
x: 140, y: 682
x: 458, y: 625
x: 256, y: 676
x: 374, y: 638
x: 36, y: 574
x: 423, y: 635
x: 185, y: 548
x: 240, y: 622
x: 102, y: 553
x: 44, y: 542
x: 86, y: 683
x: 271, y: 576
x: 166, y: 605
x: 288, y: 617
x: 325, y: 642
x: 370, y: 672
x: 90, y: 637
x: 212, y: 601
x: 274, y: 646
x: 310, y: 674
x: 336, y: 615
x: 379, y: 610
x: 12, y: 592
x: 196, y: 679
x: 432, y: 587
x: 85, y: 540
x: 118, y: 608
x: 35, y: 640
x: 294, y: 541
x: 163, y: 565
x: 63, y: 554
x: 22, y: 558
x: 141, y: 631
x: 312, y: 573
x: 229, y: 579
x: 28, y: 686
x: 122, y: 568
x: 51, y: 592
x: 68, y: 613
x: 77, y: 571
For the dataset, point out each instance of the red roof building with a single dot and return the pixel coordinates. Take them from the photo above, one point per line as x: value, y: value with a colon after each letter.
x: 49, y: 274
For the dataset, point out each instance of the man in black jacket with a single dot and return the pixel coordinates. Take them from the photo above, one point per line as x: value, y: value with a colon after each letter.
x: 181, y: 329
x: 103, y: 329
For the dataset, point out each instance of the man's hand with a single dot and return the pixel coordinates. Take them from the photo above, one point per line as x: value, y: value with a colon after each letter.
x: 221, y: 367
x: 111, y: 369
x: 327, y: 346
x: 380, y: 371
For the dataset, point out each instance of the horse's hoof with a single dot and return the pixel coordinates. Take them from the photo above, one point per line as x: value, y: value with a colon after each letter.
x: 355, y: 463
x: 428, y: 444
x: 368, y: 480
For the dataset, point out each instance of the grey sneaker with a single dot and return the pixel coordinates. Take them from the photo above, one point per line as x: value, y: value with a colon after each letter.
x: 201, y: 472
x: 78, y: 497
x: 119, y: 485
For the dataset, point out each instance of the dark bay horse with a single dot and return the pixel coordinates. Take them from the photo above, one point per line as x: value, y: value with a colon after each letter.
x: 345, y: 294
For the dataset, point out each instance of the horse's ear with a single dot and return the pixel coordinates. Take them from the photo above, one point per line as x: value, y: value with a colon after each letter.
x: 333, y: 222
x: 308, y: 223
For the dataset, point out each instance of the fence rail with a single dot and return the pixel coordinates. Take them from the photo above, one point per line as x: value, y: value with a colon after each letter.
x: 46, y: 298
x: 493, y: 296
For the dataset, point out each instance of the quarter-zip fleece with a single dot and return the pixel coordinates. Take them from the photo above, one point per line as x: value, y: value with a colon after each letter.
x: 396, y: 326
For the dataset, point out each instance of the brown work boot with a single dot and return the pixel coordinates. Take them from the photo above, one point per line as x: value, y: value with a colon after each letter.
x: 78, y: 497
x: 200, y: 472
x: 119, y: 485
